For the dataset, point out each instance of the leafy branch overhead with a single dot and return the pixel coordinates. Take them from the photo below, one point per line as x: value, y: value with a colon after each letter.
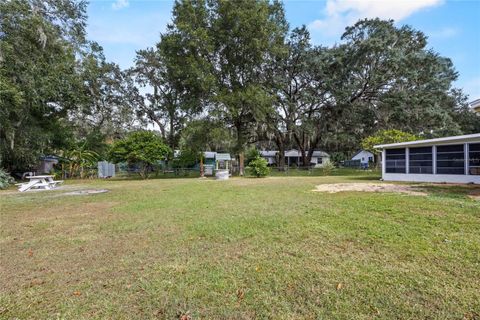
x: 224, y: 76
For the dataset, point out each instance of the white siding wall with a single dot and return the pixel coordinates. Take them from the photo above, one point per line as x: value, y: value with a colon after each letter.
x: 363, y: 156
x: 441, y: 178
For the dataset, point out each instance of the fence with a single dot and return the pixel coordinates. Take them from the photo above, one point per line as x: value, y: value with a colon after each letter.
x: 352, y: 164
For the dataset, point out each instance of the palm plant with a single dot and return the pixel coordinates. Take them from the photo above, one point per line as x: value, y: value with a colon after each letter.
x: 78, y: 160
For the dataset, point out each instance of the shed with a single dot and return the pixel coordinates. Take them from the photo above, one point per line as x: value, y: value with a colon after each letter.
x: 46, y: 164
x: 223, y: 161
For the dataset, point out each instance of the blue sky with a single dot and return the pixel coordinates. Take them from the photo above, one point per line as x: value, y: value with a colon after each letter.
x: 453, y: 27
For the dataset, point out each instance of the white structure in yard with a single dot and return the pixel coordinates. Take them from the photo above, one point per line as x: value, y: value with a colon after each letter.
x: 294, y: 158
x: 450, y: 159
x: 475, y: 104
x: 364, y: 157
x: 105, y: 169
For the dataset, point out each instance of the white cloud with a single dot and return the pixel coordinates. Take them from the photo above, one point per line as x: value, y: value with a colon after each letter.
x: 120, y: 4
x: 341, y: 13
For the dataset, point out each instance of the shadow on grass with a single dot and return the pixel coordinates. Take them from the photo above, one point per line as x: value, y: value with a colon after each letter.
x: 368, y: 178
x: 450, y: 191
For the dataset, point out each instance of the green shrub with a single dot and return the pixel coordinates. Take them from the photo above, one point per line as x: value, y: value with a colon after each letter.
x: 328, y: 168
x: 5, y: 179
x: 251, y: 155
x: 259, y: 167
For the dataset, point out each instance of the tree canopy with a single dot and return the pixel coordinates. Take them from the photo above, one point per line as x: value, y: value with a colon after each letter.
x: 386, y: 137
x: 225, y: 75
x: 142, y: 148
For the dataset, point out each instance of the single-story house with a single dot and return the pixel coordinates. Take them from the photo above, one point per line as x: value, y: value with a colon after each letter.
x: 46, y: 164
x: 294, y: 158
x: 451, y: 159
x: 212, y: 161
x: 475, y: 104
x: 365, y: 157
x: 270, y: 156
x: 215, y: 161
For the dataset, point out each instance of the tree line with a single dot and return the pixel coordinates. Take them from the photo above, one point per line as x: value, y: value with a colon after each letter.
x: 225, y: 75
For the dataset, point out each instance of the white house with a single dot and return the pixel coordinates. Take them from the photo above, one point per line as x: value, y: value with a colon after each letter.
x: 364, y: 157
x: 450, y: 159
x: 270, y: 156
x: 475, y: 105
x: 294, y: 158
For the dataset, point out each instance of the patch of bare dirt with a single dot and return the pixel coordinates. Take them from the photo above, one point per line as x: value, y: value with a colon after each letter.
x: 369, y: 187
x: 475, y: 195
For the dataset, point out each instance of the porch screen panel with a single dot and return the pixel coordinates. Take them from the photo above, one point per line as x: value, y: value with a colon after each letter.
x: 420, y: 160
x: 474, y: 158
x: 395, y: 161
x: 451, y: 159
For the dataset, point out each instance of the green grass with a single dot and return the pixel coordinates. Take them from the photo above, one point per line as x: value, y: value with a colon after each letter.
x: 292, y: 172
x: 239, y: 249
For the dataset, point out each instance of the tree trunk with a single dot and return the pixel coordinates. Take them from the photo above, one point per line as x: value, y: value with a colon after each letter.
x: 143, y: 171
x: 171, y: 134
x: 281, y: 152
x: 241, y: 163
x: 202, y: 173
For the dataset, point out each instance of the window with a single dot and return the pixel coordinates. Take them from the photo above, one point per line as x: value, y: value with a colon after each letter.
x: 420, y: 160
x: 474, y: 158
x: 319, y: 160
x: 451, y: 159
x: 395, y: 161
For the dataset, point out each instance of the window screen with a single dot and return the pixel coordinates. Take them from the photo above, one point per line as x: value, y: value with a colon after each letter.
x: 420, y: 160
x: 450, y: 159
x: 474, y: 158
x: 395, y: 161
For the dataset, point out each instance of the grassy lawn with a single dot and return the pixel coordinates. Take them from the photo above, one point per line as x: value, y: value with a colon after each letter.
x: 239, y: 249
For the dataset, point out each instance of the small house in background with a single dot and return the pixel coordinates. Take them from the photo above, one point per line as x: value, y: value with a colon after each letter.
x: 294, y: 158
x: 209, y: 162
x: 363, y: 157
x: 269, y: 156
x: 223, y: 161
x: 475, y: 104
x: 46, y: 164
x: 451, y: 159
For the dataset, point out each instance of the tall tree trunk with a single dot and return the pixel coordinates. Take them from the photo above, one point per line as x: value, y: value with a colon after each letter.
x: 241, y: 163
x: 171, y: 137
x: 240, y: 148
x: 280, y: 142
x: 301, y: 146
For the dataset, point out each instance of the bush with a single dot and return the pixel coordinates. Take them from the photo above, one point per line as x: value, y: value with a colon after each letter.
x: 251, y: 155
x: 327, y: 168
x: 5, y: 179
x: 186, y: 159
x: 337, y: 157
x: 259, y: 167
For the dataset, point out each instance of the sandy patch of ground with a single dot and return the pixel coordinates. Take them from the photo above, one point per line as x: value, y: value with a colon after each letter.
x: 475, y: 195
x: 369, y: 187
x: 73, y: 190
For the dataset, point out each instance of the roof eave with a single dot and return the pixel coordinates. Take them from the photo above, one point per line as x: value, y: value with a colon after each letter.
x: 449, y: 140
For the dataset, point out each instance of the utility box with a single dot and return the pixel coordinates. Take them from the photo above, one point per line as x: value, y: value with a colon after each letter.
x: 106, y: 169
